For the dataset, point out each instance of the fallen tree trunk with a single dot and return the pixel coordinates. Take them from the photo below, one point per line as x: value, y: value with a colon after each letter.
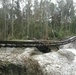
x: 36, y: 43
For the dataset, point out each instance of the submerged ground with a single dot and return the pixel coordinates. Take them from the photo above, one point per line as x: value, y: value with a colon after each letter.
x: 30, y: 61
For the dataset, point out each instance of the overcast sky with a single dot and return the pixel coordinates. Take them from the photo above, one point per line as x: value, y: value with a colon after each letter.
x: 56, y: 0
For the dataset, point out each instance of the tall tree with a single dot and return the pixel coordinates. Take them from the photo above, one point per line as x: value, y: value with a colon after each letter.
x: 28, y: 16
x: 12, y: 19
x: 5, y: 9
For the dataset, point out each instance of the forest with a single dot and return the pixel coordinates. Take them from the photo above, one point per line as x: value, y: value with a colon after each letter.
x: 37, y: 19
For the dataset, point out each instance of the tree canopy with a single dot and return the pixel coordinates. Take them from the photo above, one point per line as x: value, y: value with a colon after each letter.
x: 27, y: 19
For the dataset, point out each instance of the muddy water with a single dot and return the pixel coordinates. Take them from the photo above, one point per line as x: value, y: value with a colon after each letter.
x: 29, y: 61
x: 14, y: 62
x: 61, y: 62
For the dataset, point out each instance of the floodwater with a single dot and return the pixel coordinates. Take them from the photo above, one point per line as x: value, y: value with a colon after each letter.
x: 29, y: 61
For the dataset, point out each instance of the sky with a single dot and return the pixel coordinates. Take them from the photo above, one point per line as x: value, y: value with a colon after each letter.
x: 55, y: 1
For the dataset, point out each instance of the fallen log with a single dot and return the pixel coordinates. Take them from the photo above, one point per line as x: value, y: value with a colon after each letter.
x: 34, y: 43
x: 42, y: 45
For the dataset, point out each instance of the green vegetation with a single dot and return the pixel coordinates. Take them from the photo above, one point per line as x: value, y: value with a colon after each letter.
x: 27, y: 19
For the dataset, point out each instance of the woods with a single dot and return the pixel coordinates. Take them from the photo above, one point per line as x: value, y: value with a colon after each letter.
x: 34, y: 19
